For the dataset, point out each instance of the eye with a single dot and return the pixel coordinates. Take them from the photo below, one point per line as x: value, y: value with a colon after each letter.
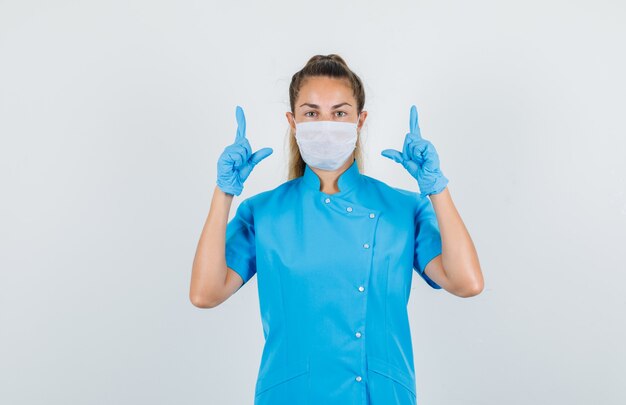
x: 305, y: 114
x: 343, y: 112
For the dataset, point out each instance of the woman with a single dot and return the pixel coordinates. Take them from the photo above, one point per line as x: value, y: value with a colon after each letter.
x: 334, y: 250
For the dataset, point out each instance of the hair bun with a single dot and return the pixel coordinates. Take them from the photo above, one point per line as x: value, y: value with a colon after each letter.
x: 332, y: 57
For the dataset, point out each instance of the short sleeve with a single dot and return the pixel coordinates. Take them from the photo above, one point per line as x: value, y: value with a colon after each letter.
x: 427, y: 238
x: 240, y: 243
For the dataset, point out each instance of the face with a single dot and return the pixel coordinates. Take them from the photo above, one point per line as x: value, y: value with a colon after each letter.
x: 324, y: 98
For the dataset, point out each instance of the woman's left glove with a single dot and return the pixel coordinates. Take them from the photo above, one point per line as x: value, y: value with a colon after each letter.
x: 420, y: 159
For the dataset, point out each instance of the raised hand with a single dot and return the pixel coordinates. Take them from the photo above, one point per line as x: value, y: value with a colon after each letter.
x: 237, y: 160
x: 420, y: 159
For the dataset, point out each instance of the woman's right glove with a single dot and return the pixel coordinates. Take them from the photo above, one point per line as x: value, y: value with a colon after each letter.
x: 237, y: 160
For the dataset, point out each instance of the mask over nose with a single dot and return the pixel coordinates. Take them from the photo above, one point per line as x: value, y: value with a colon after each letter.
x: 326, y: 145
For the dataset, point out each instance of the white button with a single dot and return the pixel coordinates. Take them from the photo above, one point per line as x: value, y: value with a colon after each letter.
x: 358, y: 334
x: 366, y: 246
x: 349, y: 209
x: 361, y: 288
x: 327, y: 200
x: 372, y: 215
x: 358, y: 378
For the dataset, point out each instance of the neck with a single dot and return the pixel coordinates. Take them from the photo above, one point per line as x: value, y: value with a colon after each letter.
x: 329, y: 178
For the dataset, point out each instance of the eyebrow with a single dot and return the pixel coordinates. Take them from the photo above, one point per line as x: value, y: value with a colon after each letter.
x: 317, y: 106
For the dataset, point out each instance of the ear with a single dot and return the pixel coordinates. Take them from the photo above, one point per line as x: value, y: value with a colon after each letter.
x: 362, y: 118
x: 290, y: 120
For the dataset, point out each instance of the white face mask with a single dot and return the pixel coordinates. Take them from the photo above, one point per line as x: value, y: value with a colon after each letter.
x: 326, y: 145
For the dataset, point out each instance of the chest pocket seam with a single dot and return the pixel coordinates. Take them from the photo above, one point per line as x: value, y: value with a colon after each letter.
x: 388, y: 370
x: 274, y: 378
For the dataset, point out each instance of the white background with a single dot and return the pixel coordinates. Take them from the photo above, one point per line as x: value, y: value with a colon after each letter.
x: 113, y: 115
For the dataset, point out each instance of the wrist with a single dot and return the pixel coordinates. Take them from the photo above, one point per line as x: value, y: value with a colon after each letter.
x: 437, y: 187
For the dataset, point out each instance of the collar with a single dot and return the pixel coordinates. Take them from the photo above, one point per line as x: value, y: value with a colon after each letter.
x: 349, y: 179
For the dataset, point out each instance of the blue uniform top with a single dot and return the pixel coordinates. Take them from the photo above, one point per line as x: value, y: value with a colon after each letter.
x: 334, y: 278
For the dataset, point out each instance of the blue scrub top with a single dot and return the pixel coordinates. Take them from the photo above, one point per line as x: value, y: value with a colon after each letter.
x: 334, y: 277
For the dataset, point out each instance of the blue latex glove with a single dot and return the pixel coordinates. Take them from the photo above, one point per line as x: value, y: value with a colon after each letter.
x: 237, y: 160
x: 420, y: 159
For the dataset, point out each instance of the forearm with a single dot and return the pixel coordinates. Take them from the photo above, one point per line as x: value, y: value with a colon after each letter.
x: 459, y: 257
x: 209, y: 265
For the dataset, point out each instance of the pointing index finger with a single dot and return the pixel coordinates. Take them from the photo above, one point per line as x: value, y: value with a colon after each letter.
x: 241, y: 124
x: 413, y: 123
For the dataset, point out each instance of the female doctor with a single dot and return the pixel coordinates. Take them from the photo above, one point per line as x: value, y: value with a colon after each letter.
x: 333, y: 249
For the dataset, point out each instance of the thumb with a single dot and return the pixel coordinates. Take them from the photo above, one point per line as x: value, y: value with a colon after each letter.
x: 259, y: 155
x: 393, y: 155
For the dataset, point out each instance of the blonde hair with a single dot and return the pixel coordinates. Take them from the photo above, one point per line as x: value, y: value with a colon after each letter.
x: 334, y: 66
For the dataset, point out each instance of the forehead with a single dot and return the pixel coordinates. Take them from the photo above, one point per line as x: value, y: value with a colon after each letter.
x: 325, y: 91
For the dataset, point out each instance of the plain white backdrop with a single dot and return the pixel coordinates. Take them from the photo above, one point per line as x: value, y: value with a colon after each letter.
x: 113, y: 115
